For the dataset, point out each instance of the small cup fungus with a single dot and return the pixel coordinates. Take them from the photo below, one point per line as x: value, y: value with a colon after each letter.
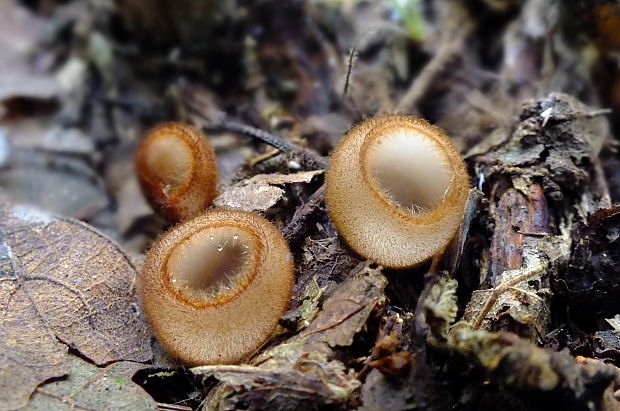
x: 214, y: 287
x: 176, y: 168
x: 396, y: 189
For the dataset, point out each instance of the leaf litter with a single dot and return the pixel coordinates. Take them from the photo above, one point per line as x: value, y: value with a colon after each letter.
x: 63, y: 286
x: 353, y: 349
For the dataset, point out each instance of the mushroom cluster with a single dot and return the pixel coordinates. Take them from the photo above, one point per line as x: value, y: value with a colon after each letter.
x: 214, y: 286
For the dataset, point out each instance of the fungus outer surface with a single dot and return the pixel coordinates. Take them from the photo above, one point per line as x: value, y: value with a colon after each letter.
x: 169, y: 160
x: 177, y: 171
x: 214, y: 287
x: 396, y: 190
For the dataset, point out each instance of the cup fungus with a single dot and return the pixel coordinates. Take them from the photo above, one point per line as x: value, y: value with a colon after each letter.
x: 176, y: 168
x: 214, y: 287
x: 396, y: 190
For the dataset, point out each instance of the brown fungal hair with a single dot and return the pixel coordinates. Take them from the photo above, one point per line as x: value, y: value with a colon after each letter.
x: 396, y: 189
x: 214, y: 287
x: 177, y: 171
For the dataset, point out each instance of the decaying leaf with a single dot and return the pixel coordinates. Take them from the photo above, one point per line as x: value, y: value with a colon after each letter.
x: 90, y: 387
x: 260, y: 192
x: 346, y: 311
x: 62, y: 284
x: 44, y: 135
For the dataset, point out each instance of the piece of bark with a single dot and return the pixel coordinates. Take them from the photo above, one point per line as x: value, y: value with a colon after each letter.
x: 261, y: 192
x: 535, y: 182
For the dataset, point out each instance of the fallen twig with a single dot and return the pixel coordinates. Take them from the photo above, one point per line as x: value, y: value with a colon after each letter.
x: 293, y: 229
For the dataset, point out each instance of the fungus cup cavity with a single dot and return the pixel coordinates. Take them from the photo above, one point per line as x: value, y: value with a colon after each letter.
x: 396, y: 190
x: 177, y: 171
x: 214, y: 287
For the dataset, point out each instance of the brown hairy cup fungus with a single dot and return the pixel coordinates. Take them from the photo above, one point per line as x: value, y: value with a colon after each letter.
x: 176, y: 169
x: 396, y: 190
x: 214, y: 287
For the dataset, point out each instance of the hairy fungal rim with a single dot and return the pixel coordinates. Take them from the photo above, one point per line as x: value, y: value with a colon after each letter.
x: 252, y: 268
x: 431, y: 133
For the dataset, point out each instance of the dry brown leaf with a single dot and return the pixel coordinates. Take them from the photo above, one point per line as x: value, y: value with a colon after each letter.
x: 347, y: 310
x: 92, y: 387
x: 61, y: 282
x: 260, y: 192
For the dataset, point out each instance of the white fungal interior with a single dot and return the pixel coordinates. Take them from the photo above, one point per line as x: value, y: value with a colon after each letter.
x: 210, y: 263
x: 169, y: 159
x: 409, y: 169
